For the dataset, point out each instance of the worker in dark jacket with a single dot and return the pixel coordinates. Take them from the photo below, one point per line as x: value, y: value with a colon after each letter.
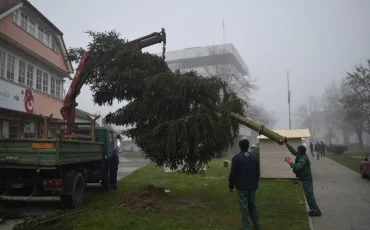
x: 322, y: 145
x: 311, y: 149
x: 244, y: 175
x: 113, y: 167
x: 317, y: 150
x: 302, y: 168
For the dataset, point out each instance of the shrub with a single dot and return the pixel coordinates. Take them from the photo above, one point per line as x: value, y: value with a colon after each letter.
x: 337, y: 149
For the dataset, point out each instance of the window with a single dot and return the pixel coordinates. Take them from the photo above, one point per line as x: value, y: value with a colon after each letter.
x: 22, y: 72
x: 15, y: 17
x: 10, y: 69
x: 24, y: 21
x: 53, y: 45
x: 2, y: 63
x: 36, y: 30
x: 45, y: 83
x: 38, y: 79
x: 52, y: 85
x: 41, y: 34
x: 46, y: 38
x: 29, y: 75
x: 31, y: 27
x: 58, y: 87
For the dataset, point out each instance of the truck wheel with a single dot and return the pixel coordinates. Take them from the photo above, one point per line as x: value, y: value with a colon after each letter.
x: 9, y: 204
x: 105, y: 181
x: 78, y: 187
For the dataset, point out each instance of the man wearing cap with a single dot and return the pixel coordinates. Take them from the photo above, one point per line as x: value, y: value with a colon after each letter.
x: 302, y: 168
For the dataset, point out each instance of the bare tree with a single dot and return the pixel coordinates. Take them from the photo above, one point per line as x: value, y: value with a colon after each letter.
x: 356, y: 97
x: 334, y: 114
x: 258, y: 113
x: 307, y: 115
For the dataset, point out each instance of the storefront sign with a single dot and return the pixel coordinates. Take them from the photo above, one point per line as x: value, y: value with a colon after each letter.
x: 21, y: 99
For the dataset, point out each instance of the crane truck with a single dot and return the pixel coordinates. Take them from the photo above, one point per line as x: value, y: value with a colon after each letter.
x: 57, y: 168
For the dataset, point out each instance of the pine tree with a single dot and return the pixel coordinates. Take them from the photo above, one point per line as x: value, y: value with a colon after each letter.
x: 177, y: 118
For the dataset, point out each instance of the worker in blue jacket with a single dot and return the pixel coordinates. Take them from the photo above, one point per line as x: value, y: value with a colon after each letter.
x: 113, y: 167
x: 244, y: 175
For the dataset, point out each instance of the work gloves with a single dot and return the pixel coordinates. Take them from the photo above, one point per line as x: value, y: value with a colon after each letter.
x: 289, y: 161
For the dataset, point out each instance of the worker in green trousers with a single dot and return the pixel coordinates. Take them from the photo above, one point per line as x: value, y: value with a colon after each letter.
x: 244, y: 175
x: 302, y: 168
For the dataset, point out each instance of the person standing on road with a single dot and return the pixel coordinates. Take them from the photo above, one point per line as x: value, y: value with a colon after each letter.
x: 317, y: 150
x: 322, y: 149
x: 113, y: 169
x: 244, y: 175
x: 311, y: 149
x: 302, y: 169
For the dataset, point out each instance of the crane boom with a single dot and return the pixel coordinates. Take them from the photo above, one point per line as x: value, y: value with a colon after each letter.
x: 68, y: 110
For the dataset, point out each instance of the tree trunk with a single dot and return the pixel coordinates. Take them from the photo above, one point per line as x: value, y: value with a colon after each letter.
x: 359, y: 135
x: 345, y: 136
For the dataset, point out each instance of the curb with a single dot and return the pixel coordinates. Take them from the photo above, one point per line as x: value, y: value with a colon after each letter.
x: 309, y: 218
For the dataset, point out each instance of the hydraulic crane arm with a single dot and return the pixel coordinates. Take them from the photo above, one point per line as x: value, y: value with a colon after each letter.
x: 69, y: 106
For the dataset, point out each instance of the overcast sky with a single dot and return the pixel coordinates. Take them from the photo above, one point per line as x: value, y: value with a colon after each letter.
x: 317, y: 40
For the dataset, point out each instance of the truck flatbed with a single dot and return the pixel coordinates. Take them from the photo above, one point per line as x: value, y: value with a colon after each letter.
x: 47, y: 153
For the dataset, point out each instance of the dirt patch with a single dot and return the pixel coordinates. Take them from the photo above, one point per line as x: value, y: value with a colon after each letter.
x: 151, y: 198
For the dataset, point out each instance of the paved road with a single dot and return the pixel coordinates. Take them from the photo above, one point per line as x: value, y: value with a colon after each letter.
x: 126, y: 167
x: 343, y: 197
x: 129, y: 165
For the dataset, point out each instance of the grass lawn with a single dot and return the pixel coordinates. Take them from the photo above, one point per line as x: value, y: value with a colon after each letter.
x: 357, y: 152
x: 347, y: 158
x: 137, y: 154
x: 194, y: 202
x: 348, y: 161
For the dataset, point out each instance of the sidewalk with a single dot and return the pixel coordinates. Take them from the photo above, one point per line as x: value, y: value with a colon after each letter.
x: 129, y: 164
x: 342, y: 195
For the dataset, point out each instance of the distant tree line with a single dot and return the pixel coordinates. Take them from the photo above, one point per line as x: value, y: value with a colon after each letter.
x: 345, y: 106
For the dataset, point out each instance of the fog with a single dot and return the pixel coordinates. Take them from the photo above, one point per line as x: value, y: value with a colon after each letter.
x: 316, y: 41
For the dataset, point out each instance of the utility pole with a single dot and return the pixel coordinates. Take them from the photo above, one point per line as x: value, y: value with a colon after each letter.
x: 289, y: 93
x: 223, y: 29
